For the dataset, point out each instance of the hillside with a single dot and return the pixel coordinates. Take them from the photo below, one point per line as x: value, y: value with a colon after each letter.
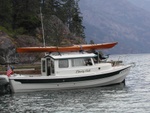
x: 115, y: 20
x: 144, y: 4
x: 20, y: 26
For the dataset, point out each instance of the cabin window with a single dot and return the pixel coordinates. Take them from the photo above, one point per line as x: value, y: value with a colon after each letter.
x: 43, y: 66
x: 78, y: 62
x: 63, y: 63
x: 88, y: 61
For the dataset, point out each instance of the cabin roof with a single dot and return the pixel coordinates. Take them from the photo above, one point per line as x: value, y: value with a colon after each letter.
x: 71, y: 55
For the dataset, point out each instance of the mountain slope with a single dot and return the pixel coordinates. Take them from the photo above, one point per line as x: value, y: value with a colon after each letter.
x: 116, y: 20
x: 144, y: 4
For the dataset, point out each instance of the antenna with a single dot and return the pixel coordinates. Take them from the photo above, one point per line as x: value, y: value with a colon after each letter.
x: 42, y: 24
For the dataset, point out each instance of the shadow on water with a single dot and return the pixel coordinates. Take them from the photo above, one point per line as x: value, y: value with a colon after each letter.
x: 5, y: 89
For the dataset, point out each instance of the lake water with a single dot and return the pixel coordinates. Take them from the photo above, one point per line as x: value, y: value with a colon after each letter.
x: 134, y: 97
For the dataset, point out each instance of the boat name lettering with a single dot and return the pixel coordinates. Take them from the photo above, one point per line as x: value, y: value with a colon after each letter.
x: 83, y: 71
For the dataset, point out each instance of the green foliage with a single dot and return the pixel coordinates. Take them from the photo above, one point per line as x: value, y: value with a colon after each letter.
x: 23, y: 16
x: 6, y: 13
x: 13, y: 33
x: 18, y: 31
x: 4, y: 30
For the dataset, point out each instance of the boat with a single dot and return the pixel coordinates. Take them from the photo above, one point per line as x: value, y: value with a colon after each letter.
x: 67, y: 69
x: 68, y: 48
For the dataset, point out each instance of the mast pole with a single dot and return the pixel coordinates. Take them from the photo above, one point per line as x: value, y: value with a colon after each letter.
x: 42, y: 24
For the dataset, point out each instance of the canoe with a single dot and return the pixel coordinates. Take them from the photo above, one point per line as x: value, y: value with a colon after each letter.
x: 66, y: 49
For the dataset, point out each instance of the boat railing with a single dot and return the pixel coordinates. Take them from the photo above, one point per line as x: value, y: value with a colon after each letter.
x: 116, y: 63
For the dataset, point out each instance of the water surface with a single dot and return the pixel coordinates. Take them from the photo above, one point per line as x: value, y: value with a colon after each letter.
x: 133, y: 97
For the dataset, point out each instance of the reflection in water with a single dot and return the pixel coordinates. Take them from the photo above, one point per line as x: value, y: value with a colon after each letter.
x: 133, y: 97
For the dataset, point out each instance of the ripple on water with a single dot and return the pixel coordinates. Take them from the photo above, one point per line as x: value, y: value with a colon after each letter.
x: 131, y: 98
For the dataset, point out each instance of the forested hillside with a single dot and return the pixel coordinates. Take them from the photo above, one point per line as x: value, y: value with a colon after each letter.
x: 20, y: 24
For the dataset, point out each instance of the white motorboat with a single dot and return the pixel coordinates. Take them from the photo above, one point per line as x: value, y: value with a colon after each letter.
x: 70, y: 70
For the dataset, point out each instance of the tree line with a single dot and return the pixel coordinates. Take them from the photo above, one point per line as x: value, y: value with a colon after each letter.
x: 23, y: 16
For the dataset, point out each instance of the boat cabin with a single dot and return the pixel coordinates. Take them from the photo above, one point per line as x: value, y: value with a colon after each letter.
x: 71, y: 63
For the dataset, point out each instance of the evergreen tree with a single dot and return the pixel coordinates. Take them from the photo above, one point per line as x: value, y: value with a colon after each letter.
x: 77, y: 26
x: 25, y: 15
x: 6, y: 12
x: 72, y: 17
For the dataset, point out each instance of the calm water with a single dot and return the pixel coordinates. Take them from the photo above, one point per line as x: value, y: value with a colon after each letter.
x: 134, y: 97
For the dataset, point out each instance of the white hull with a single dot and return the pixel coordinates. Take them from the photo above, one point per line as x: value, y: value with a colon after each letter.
x: 115, y: 76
